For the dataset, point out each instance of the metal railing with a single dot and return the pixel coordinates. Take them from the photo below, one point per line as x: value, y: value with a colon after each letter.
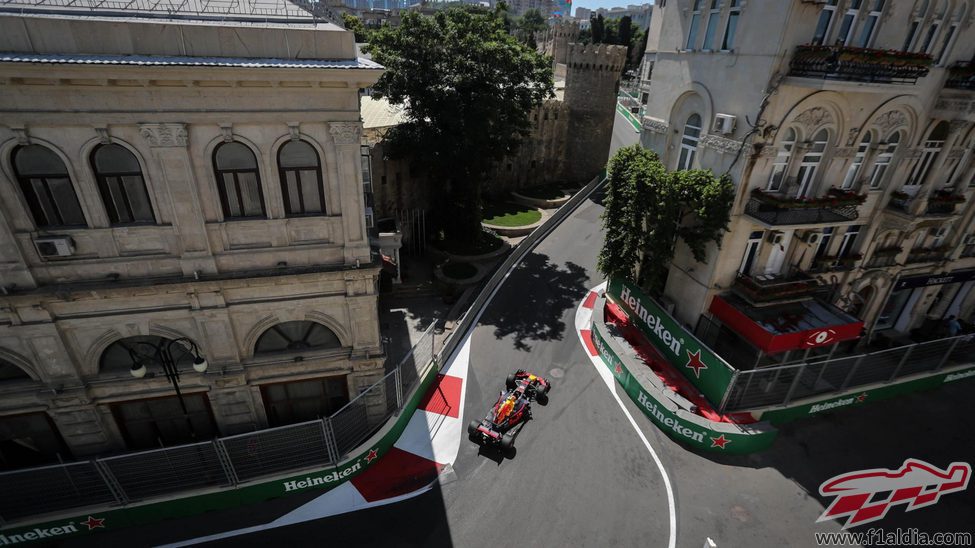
x: 780, y: 385
x: 222, y: 462
x: 782, y: 215
x: 858, y: 64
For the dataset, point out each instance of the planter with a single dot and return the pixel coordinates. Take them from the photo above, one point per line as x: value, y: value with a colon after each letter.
x: 542, y: 203
x: 513, y: 231
x: 477, y: 276
x: 483, y: 257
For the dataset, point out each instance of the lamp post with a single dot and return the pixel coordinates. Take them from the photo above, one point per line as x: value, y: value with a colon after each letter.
x: 161, y: 353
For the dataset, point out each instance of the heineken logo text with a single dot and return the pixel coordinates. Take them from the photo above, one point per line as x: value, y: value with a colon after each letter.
x: 960, y: 376
x: 37, y: 534
x: 669, y: 422
x: 816, y: 408
x: 331, y: 477
x: 655, y: 323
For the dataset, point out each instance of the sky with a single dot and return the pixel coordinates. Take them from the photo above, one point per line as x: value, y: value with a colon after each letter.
x: 596, y: 4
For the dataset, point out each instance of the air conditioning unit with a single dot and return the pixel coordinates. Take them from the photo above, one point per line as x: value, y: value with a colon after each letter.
x: 813, y: 238
x: 54, y: 246
x: 724, y: 123
x: 940, y: 232
x: 970, y: 239
x: 776, y: 237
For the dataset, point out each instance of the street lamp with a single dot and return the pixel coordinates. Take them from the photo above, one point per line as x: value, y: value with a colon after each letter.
x: 161, y: 353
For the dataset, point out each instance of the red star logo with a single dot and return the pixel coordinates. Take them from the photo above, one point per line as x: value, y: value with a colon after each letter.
x: 94, y: 522
x: 720, y: 441
x: 695, y: 363
x: 619, y: 369
x: 861, y: 397
x: 373, y: 455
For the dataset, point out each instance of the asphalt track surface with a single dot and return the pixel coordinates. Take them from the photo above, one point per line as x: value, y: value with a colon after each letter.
x: 580, y: 476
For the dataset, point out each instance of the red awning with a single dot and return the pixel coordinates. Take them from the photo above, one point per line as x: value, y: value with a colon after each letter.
x: 788, y: 326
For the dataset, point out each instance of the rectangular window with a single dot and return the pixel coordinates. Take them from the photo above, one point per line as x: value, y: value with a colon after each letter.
x: 731, y: 27
x: 779, y: 167
x: 366, y: 161
x: 922, y: 237
x: 714, y: 15
x: 52, y: 201
x: 848, y: 24
x: 695, y: 23
x: 824, y: 241
x: 751, y: 251
x: 942, y: 57
x: 920, y: 173
x: 126, y: 200
x: 928, y: 44
x: 30, y: 440
x: 242, y: 193
x: 870, y: 25
x: 854, y: 170
x: 825, y: 23
x: 294, y: 402
x: 880, y: 166
x: 848, y: 242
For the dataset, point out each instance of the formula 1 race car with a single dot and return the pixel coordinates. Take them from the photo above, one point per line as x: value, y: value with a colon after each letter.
x: 512, y: 410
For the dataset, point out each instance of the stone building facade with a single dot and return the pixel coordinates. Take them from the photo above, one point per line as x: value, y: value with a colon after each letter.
x: 175, y: 179
x: 848, y: 128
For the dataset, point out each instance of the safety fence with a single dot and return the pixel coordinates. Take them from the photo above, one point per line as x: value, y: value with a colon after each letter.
x: 783, y: 384
x: 221, y: 462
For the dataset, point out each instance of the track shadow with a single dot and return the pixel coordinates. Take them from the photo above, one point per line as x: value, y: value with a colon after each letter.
x: 535, y: 298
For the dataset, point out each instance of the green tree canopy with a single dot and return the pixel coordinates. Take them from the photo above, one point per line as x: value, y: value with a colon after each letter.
x: 648, y: 209
x: 530, y: 24
x: 597, y: 26
x: 354, y: 24
x: 468, y: 89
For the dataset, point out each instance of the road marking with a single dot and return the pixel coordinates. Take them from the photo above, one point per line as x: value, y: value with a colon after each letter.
x: 583, y: 316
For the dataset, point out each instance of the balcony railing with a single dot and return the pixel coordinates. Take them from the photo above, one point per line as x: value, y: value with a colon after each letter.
x: 859, y: 64
x: 886, y: 256
x: 828, y: 263
x: 930, y: 255
x: 943, y: 203
x: 961, y: 76
x: 836, y: 206
x: 773, y: 289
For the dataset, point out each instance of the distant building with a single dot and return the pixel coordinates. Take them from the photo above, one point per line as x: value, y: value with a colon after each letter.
x: 639, y: 14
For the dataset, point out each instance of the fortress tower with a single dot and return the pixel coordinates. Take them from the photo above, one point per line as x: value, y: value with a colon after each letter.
x: 556, y: 40
x: 591, y: 84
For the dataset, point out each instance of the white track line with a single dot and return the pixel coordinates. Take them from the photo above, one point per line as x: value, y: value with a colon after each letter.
x: 582, y: 317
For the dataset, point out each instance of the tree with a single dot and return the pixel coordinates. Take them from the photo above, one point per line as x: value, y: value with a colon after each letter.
x: 354, y: 24
x: 467, y: 89
x: 597, y: 25
x: 639, y: 48
x: 624, y: 34
x: 530, y: 24
x: 501, y: 10
x: 649, y: 209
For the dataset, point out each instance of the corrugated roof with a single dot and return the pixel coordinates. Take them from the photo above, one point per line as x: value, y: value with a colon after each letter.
x: 379, y: 113
x: 152, y: 60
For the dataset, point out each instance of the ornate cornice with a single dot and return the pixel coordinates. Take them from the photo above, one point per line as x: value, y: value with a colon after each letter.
x: 655, y: 125
x: 164, y: 135
x: 891, y: 119
x: 814, y: 118
x: 720, y: 144
x: 345, y: 133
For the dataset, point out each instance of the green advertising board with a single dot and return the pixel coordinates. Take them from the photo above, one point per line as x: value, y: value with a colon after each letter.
x: 322, y: 480
x: 694, y: 431
x: 705, y: 369
x: 856, y: 398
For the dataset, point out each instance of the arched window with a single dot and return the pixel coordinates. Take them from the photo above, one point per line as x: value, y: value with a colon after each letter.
x: 825, y: 23
x: 688, y: 143
x: 929, y: 151
x: 295, y: 337
x: 915, y: 27
x: 926, y: 45
x: 301, y: 179
x: 948, y: 40
x: 47, y: 188
x: 781, y: 164
x: 11, y: 373
x: 854, y: 171
x: 883, y: 160
x: 810, y: 163
x: 121, y: 184
x: 238, y: 181
x: 122, y: 354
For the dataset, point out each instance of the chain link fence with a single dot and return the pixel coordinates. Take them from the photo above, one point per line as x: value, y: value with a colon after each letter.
x: 222, y: 462
x: 780, y: 385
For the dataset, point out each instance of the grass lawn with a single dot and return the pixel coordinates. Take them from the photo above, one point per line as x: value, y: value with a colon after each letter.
x: 511, y: 215
x: 459, y: 271
x: 488, y: 243
x: 547, y: 192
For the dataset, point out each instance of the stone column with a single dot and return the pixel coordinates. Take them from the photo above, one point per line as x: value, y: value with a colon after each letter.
x: 346, y: 138
x: 169, y: 149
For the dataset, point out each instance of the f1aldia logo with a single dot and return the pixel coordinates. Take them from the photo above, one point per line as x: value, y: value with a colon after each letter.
x: 819, y: 338
x: 865, y: 496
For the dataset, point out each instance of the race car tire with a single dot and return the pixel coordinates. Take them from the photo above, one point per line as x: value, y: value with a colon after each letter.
x: 507, y: 442
x: 510, y: 382
x: 472, y: 427
x: 542, y: 398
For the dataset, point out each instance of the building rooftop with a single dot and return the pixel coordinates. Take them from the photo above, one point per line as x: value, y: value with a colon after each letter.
x: 240, y: 11
x: 379, y: 113
x: 160, y: 60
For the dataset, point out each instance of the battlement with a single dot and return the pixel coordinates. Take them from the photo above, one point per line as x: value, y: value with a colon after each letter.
x: 603, y: 57
x: 567, y: 29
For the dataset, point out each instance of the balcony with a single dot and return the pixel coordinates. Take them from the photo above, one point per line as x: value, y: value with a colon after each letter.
x: 859, y: 64
x: 768, y: 289
x: 837, y: 206
x: 961, y: 76
x: 942, y: 203
x: 828, y: 263
x: 929, y: 255
x: 885, y: 256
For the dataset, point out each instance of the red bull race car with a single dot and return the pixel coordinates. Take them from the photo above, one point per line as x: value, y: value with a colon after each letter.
x: 512, y: 410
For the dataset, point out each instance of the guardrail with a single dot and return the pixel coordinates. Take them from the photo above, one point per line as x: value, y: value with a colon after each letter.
x: 781, y: 385
x: 222, y: 462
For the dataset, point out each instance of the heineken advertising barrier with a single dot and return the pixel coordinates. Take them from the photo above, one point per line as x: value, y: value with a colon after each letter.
x: 323, y: 480
x: 866, y: 395
x: 706, y: 370
x: 680, y: 425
